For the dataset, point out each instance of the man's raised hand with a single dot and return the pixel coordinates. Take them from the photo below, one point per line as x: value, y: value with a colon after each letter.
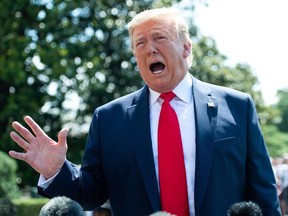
x: 42, y: 153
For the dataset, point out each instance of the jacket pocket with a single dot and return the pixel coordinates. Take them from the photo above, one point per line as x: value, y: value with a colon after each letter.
x: 226, y: 142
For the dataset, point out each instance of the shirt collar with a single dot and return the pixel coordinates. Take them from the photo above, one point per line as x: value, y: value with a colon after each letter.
x: 183, y: 90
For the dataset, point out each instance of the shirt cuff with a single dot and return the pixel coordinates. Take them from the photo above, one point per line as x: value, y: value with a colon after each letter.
x: 44, y: 183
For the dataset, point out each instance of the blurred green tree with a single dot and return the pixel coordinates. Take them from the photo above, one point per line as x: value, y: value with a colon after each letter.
x: 282, y: 106
x: 277, y: 141
x: 275, y: 120
x: 21, y: 84
x: 8, y: 186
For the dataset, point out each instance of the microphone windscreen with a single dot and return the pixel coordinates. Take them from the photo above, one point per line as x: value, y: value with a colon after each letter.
x: 245, y: 209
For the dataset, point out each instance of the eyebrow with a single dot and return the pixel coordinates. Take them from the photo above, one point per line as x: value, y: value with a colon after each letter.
x: 162, y: 33
x: 153, y: 33
x: 140, y: 38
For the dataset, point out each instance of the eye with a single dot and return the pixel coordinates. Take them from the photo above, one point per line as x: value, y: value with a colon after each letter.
x: 161, y: 37
x: 140, y: 43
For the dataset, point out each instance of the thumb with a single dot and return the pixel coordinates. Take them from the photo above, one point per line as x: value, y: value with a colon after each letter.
x: 62, y: 136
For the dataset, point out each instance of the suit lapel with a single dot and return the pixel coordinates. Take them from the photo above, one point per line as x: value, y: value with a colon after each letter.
x: 205, y: 117
x: 138, y: 115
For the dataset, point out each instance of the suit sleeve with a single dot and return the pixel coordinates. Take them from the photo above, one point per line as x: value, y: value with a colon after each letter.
x: 261, y: 185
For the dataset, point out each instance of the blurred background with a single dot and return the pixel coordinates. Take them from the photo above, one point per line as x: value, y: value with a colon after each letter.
x: 60, y: 59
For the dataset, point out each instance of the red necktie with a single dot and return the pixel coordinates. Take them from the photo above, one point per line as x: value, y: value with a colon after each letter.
x: 172, y: 175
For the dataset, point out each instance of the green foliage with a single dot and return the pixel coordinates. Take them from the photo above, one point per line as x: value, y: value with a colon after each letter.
x: 274, y: 119
x: 277, y: 141
x: 282, y: 106
x: 29, y: 206
x: 7, y: 208
x: 21, y: 84
x: 8, y: 185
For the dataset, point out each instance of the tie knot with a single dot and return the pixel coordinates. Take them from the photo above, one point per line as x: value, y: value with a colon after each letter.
x: 168, y: 96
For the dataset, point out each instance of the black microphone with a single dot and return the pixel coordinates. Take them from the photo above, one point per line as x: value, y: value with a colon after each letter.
x: 245, y: 209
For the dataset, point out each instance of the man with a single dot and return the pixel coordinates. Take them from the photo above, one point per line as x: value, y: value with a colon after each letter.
x: 222, y: 157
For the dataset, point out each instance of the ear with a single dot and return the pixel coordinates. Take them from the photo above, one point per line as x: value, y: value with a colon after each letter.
x: 187, y: 48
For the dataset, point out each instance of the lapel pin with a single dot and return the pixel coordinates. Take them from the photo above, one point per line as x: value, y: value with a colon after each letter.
x: 211, y: 104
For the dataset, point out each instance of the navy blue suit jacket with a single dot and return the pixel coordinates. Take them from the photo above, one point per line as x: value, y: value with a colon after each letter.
x: 232, y: 163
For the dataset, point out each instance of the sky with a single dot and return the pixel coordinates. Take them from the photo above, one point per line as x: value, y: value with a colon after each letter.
x: 253, y: 32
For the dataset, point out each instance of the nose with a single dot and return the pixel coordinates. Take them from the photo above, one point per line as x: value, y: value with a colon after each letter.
x: 151, y: 48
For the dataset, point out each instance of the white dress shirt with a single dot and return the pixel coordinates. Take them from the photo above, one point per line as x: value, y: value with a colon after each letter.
x: 184, y: 108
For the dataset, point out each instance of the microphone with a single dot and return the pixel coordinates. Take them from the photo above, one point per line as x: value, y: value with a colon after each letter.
x: 245, y: 209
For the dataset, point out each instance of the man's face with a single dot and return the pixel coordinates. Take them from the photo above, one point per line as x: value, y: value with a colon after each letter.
x: 161, y: 55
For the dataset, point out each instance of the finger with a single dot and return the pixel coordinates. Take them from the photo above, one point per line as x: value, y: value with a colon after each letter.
x: 23, y: 131
x: 18, y: 155
x: 34, y: 126
x: 19, y: 140
x: 62, y: 136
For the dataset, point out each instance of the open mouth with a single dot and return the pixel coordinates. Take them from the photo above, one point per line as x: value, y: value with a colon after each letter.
x: 157, y: 67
